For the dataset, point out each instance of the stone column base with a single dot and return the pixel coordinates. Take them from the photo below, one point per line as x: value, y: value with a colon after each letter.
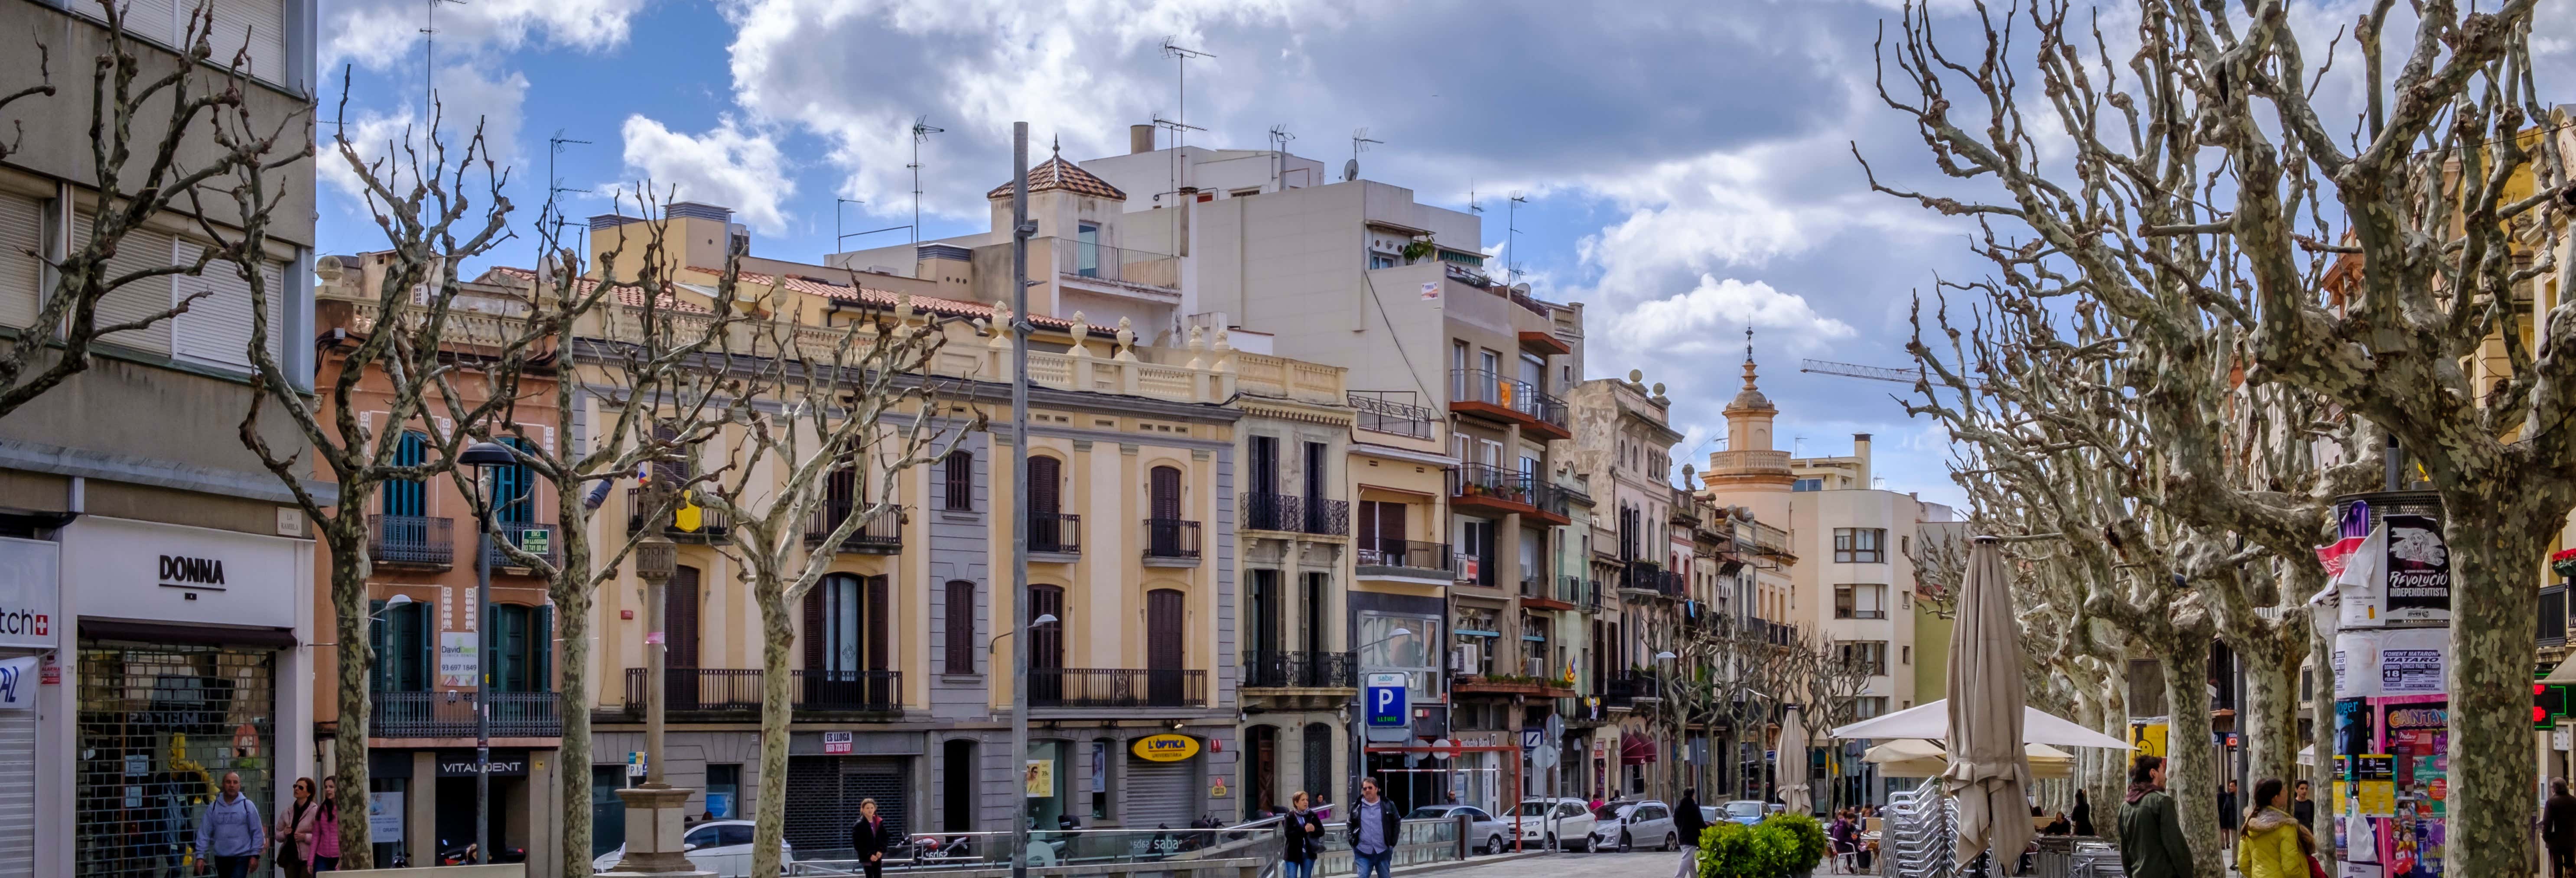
x: 656, y: 817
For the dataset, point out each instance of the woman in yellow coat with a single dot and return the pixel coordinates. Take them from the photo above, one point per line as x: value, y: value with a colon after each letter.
x: 2273, y: 845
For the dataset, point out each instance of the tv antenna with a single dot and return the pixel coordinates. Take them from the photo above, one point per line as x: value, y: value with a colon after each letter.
x: 429, y: 57
x: 838, y: 236
x: 921, y: 131
x: 554, y: 184
x: 1181, y: 88
x: 1511, y: 237
x: 1359, y: 144
x: 1472, y: 206
x: 1279, y: 138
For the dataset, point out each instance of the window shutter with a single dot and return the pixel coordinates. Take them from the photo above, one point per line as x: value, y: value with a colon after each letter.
x: 216, y: 328
x: 1390, y: 525
x: 376, y: 641
x: 877, y: 611
x: 141, y: 249
x: 680, y: 619
x: 1044, y: 475
x: 813, y: 633
x: 1166, y: 492
x: 961, y: 627
x: 22, y: 229
x: 156, y: 20
x: 541, y: 648
x: 1046, y: 642
x: 263, y: 24
x: 959, y: 476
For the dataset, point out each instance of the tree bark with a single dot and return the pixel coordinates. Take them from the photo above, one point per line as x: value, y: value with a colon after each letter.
x: 572, y: 624
x: 2192, y: 773
x: 778, y: 635
x: 2494, y: 605
x: 347, y: 539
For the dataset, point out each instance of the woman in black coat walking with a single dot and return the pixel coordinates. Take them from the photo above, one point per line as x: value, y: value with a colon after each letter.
x: 2083, y: 815
x: 1302, y: 834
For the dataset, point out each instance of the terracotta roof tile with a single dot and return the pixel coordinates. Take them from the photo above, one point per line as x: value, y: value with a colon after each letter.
x: 878, y: 298
x: 1057, y: 173
x: 629, y: 295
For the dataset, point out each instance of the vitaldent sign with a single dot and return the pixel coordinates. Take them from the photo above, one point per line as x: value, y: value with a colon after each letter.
x: 31, y: 605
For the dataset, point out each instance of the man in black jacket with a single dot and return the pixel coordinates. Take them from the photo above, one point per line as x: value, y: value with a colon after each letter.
x: 2558, y: 830
x: 1376, y: 828
x: 1688, y: 823
x: 870, y: 838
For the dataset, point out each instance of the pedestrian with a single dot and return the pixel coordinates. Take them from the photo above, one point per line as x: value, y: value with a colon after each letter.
x: 230, y: 833
x: 2151, y: 841
x: 2084, y: 814
x: 1687, y: 825
x: 2558, y: 830
x: 2303, y: 804
x: 1376, y: 828
x: 2274, y: 844
x: 326, y: 829
x: 868, y: 839
x: 1303, y: 837
x: 294, y: 833
x: 2228, y: 818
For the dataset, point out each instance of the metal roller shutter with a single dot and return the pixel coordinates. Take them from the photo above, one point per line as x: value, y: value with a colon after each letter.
x: 141, y: 249
x: 17, y: 813
x: 824, y: 792
x: 1160, y: 794
x: 263, y: 24
x: 21, y: 230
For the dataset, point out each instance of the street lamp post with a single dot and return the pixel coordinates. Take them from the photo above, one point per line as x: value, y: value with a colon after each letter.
x: 483, y: 456
x: 1021, y: 229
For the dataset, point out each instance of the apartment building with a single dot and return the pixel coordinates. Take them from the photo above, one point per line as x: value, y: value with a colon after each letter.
x: 424, y: 616
x: 1295, y: 445
x: 1623, y: 448
x: 166, y: 571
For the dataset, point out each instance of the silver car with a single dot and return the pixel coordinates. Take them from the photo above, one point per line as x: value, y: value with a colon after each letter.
x: 1634, y: 823
x: 1487, y: 834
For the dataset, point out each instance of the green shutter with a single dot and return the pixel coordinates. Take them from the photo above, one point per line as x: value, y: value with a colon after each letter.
x: 542, y: 648
x: 376, y: 641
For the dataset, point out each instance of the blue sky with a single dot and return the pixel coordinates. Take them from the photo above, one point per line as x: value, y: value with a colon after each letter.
x: 1686, y: 163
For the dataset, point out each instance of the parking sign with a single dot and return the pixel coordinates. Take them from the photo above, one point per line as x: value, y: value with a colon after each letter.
x: 1386, y: 702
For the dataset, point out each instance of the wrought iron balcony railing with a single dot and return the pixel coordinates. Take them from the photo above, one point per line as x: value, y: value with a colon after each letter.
x: 411, y: 539
x: 1171, y: 539
x: 1055, y: 532
x: 451, y: 714
x: 1299, y: 670
x: 737, y: 690
x: 880, y: 535
x: 1116, y: 687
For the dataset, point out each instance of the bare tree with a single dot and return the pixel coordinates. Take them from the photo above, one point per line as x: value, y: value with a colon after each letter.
x: 397, y: 355
x: 210, y: 146
x: 858, y: 401
x: 2416, y: 195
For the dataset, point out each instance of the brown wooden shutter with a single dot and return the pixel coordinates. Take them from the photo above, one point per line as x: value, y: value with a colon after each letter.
x: 878, y: 610
x: 813, y: 635
x: 1390, y: 527
x: 1046, y: 644
x: 1166, y: 493
x: 680, y: 619
x: 961, y: 627
x: 1044, y: 473
x: 1163, y: 623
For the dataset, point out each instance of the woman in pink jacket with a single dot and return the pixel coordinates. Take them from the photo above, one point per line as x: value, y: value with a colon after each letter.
x: 294, y: 832
x: 326, y: 829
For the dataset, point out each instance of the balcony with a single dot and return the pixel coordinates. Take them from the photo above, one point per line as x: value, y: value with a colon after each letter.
x: 1392, y: 412
x: 882, y: 535
x: 451, y: 715
x: 1116, y: 687
x: 1294, y: 514
x: 1494, y: 397
x: 736, y: 691
x: 1538, y: 592
x: 1404, y: 559
x: 1498, y: 491
x: 1579, y: 593
x: 1127, y: 269
x: 1299, y: 670
x: 1841, y: 613
x: 712, y: 526
x: 1628, y: 688
x: 1649, y: 579
x: 534, y: 539
x: 411, y: 540
x: 1055, y: 533
x: 1533, y: 686
x: 1171, y: 542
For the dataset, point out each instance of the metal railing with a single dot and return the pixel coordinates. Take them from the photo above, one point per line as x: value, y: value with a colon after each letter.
x: 534, y: 539
x: 738, y: 690
x: 883, y: 534
x: 1286, y: 670
x: 1116, y: 687
x: 1056, y: 532
x: 1375, y: 552
x: 1290, y: 512
x: 1379, y: 411
x: 1486, y: 480
x: 411, y: 539
x: 1626, y: 687
x: 451, y: 714
x: 1577, y: 591
x: 1171, y: 539
x: 1124, y: 265
x: 712, y: 525
x: 1517, y: 396
x: 1843, y: 613
x: 1096, y: 851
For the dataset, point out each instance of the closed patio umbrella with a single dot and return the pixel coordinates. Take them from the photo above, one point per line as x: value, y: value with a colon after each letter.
x: 1793, y: 764
x: 1989, y: 771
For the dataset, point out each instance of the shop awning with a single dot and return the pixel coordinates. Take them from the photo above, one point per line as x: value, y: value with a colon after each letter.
x: 193, y: 635
x: 1636, y: 751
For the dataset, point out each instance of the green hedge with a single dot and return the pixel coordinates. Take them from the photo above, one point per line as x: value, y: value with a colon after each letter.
x: 1780, y: 846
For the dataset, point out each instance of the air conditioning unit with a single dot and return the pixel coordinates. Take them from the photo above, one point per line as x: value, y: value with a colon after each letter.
x: 1468, y: 567
x: 1466, y: 658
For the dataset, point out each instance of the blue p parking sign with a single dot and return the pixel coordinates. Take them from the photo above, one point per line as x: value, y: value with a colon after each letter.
x: 1385, y: 697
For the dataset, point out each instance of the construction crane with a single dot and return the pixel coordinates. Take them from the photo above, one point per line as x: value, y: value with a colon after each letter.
x: 1906, y: 376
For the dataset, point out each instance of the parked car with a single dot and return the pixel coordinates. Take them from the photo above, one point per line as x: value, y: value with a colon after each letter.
x: 719, y: 846
x: 1484, y: 832
x: 1634, y: 823
x: 1562, y: 824
x: 1746, y: 811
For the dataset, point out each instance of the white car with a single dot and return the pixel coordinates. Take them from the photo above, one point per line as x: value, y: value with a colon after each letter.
x: 1484, y: 833
x: 1745, y: 811
x: 1563, y: 824
x: 1636, y: 823
x: 719, y: 846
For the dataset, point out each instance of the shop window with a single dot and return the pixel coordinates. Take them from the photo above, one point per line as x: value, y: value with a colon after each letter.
x: 158, y: 728
x: 724, y: 791
x: 607, y: 811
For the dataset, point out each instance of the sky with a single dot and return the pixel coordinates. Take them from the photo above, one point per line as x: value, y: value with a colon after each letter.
x: 1686, y: 165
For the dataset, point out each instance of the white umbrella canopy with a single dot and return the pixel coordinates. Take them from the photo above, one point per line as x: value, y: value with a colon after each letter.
x: 1910, y: 757
x: 1931, y: 720
x: 1793, y: 751
x: 1988, y: 769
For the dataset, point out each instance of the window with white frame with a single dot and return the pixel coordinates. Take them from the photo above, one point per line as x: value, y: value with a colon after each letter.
x: 1860, y: 601
x: 1860, y: 545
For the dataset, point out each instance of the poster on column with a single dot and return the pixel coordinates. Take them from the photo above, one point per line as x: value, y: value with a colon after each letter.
x: 2412, y: 661
x: 2418, y: 578
x: 2415, y: 732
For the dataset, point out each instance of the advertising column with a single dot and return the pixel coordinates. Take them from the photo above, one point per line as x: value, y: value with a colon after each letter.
x: 30, y: 605
x: 2392, y: 586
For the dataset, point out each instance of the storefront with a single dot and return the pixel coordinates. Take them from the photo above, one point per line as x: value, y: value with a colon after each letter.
x: 188, y: 667
x: 30, y: 604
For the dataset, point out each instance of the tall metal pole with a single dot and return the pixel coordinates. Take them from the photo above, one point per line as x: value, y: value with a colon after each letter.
x: 656, y: 650
x: 483, y: 691
x: 1020, y: 231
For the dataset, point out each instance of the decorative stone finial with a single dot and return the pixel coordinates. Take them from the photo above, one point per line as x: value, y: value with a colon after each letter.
x: 1222, y: 345
x: 1081, y: 328
x: 1126, y: 339
x: 1636, y: 376
x: 1198, y: 338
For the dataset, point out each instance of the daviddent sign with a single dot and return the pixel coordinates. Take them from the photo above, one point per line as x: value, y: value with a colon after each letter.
x: 1165, y: 748
x: 31, y: 606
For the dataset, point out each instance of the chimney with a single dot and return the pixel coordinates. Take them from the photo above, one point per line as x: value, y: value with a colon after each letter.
x: 1860, y: 449
x: 1140, y: 138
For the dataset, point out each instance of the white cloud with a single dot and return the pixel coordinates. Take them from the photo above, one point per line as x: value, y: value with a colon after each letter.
x: 1705, y: 320
x: 381, y: 34
x: 728, y: 166
x: 466, y: 98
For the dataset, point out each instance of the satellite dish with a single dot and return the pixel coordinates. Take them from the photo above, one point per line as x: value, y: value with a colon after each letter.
x: 1350, y: 170
x: 1522, y: 289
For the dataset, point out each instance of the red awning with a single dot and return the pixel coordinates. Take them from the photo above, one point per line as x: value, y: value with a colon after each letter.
x: 1636, y: 751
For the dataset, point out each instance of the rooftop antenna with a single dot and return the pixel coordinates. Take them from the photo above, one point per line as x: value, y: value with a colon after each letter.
x: 554, y: 184
x: 1279, y: 138
x: 1359, y: 144
x: 1511, y: 237
x: 838, y: 236
x: 429, y: 57
x: 1176, y: 127
x: 1472, y: 206
x: 921, y: 131
x: 1181, y: 88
